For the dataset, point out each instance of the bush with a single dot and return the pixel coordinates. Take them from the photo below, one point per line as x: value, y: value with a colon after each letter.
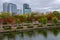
x: 4, y: 23
x: 51, y: 25
x: 27, y: 21
x: 40, y: 26
x: 30, y: 26
x: 7, y: 27
x: 57, y: 24
x: 19, y: 27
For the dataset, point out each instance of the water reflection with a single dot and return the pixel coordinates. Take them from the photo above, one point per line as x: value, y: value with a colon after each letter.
x: 32, y: 35
x: 5, y: 38
x: 29, y: 33
x: 55, y: 31
x: 43, y: 32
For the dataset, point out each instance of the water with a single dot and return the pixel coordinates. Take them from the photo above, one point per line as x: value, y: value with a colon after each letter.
x: 32, y: 35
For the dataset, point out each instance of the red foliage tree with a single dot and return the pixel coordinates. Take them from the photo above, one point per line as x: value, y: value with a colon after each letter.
x: 10, y: 20
x: 1, y: 20
x: 29, y: 19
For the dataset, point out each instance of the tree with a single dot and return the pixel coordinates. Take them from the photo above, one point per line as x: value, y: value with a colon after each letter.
x: 56, y: 13
x: 18, y: 21
x: 44, y: 20
x: 55, y: 20
x: 10, y: 20
x: 5, y: 15
x: 29, y: 19
x: 1, y: 20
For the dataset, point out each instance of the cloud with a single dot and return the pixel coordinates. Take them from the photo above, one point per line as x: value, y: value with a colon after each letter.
x: 36, y: 5
x: 56, y: 2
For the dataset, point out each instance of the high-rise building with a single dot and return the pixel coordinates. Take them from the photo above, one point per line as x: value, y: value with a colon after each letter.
x: 10, y: 7
x: 5, y: 7
x: 26, y: 8
x: 19, y: 11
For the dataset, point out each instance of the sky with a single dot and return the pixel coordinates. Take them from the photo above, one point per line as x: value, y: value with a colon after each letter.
x: 36, y: 5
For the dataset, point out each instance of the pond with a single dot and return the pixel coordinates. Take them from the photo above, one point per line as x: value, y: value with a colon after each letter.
x: 32, y: 35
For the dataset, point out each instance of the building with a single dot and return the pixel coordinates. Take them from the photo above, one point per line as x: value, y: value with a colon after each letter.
x: 10, y: 7
x: 19, y: 11
x: 26, y: 8
x: 5, y: 7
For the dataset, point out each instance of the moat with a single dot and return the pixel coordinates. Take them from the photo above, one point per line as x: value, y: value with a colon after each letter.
x: 53, y: 34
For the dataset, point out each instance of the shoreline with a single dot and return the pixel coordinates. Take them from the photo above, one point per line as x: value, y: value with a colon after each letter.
x: 30, y: 29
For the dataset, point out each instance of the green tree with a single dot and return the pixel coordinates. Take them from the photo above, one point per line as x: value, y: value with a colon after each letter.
x: 56, y: 13
x: 44, y: 20
x: 55, y: 20
x: 5, y: 15
x: 18, y: 21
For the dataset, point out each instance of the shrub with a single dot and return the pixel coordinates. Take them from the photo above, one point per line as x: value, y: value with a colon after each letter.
x: 19, y: 27
x: 51, y: 25
x: 30, y: 26
x: 7, y: 27
x: 40, y: 26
